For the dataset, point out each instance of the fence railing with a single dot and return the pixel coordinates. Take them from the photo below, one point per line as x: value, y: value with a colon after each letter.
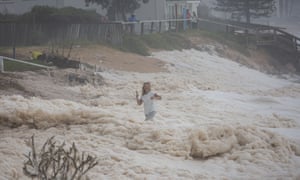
x: 2, y: 58
x: 30, y: 34
x: 150, y: 26
x: 18, y: 34
x: 264, y: 34
x: 12, y: 34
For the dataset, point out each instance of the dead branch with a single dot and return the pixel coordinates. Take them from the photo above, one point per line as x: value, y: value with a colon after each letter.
x: 69, y: 53
x: 54, y: 162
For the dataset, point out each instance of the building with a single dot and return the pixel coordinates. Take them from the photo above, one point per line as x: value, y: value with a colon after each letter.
x: 288, y: 8
x: 166, y: 9
x: 176, y: 9
x: 153, y: 10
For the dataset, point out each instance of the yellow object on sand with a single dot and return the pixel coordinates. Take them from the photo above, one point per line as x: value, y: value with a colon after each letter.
x: 36, y: 54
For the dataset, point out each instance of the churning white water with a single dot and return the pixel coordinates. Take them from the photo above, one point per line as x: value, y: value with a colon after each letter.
x: 216, y: 120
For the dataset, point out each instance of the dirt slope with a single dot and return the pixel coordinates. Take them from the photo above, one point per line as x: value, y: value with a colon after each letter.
x: 104, y: 57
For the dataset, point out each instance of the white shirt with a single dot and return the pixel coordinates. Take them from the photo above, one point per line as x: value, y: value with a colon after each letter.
x: 148, y: 102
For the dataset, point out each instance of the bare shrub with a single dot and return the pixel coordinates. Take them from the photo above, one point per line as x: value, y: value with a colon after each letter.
x: 55, y: 162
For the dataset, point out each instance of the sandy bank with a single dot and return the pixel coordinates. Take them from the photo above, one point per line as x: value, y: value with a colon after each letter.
x: 104, y: 57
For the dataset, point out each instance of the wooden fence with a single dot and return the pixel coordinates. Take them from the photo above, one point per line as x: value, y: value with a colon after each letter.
x: 158, y: 26
x: 262, y: 34
x: 19, y: 34
x: 12, y: 34
x: 31, y: 34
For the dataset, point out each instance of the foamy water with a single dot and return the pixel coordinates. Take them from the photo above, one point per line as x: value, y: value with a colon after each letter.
x: 217, y: 119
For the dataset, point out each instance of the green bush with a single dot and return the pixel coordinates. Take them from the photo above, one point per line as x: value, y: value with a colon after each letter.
x: 46, y: 14
x: 134, y: 44
x: 238, y: 43
x: 140, y: 44
x: 12, y: 66
x: 168, y: 41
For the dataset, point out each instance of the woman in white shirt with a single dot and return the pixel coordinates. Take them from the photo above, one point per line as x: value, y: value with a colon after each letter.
x: 148, y: 98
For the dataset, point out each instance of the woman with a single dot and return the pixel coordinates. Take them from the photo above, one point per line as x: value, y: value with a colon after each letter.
x: 148, y: 98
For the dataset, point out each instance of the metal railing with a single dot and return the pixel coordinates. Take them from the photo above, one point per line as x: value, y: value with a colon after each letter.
x: 2, y: 58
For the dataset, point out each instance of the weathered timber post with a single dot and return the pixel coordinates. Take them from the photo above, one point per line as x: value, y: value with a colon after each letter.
x: 152, y: 27
x: 159, y: 29
x: 295, y: 44
x: 256, y: 37
x: 14, y: 41
x: 131, y: 28
x: 142, y: 28
x: 274, y: 37
x: 1, y: 65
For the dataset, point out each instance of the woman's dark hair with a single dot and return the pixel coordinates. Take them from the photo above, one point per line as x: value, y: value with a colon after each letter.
x: 143, y: 89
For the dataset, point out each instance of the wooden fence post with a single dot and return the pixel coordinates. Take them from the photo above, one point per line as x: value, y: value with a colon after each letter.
x: 295, y: 44
x: 131, y: 28
x: 274, y: 35
x: 14, y: 51
x: 1, y: 65
x: 159, y: 29
x: 14, y: 42
x: 152, y: 27
x: 142, y: 28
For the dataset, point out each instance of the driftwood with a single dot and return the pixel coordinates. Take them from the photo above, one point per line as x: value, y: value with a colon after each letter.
x: 54, y: 162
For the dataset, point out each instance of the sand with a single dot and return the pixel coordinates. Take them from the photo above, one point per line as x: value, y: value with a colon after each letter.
x: 102, y: 56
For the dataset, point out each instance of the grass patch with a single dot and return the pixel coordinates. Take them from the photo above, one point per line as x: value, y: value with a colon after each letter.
x: 238, y: 43
x: 166, y: 41
x: 141, y: 44
x: 12, y: 66
x: 134, y: 44
x: 171, y: 41
x: 5, y: 50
